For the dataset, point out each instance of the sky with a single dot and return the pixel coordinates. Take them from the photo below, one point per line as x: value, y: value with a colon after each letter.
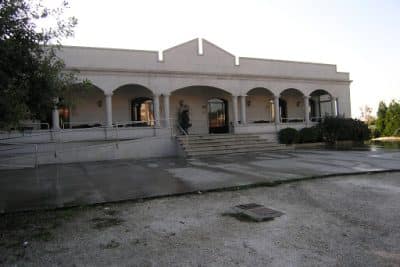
x: 359, y: 36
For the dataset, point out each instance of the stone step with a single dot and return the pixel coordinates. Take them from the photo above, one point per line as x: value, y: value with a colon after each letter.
x: 235, y: 151
x: 225, y: 142
x: 211, y: 139
x: 219, y: 144
x: 230, y: 144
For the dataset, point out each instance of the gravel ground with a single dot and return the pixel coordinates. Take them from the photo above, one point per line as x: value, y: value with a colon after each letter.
x: 343, y: 221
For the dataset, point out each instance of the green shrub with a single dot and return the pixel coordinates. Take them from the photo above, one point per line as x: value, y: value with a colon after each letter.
x: 288, y: 136
x: 338, y: 128
x: 375, y: 133
x: 310, y: 135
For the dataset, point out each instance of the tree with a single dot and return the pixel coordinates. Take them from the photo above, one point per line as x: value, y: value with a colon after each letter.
x: 381, y: 116
x: 392, y: 118
x: 388, y: 118
x: 31, y: 74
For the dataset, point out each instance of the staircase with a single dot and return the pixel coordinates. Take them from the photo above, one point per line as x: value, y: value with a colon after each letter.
x: 222, y: 144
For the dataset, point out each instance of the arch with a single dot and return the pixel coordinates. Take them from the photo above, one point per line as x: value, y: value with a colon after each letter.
x: 124, y: 105
x: 291, y: 91
x: 321, y: 104
x: 259, y: 90
x: 320, y: 92
x: 132, y: 86
x: 291, y: 105
x: 82, y: 106
x: 196, y: 98
x: 193, y: 87
x: 259, y: 105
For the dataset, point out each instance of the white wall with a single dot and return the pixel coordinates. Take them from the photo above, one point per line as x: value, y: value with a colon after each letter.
x: 89, y: 107
x: 183, y: 66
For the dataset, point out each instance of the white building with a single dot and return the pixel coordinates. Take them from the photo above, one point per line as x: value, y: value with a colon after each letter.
x: 137, y: 96
x: 224, y: 93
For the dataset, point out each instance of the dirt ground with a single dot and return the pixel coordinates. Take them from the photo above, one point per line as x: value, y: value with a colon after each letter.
x: 342, y: 221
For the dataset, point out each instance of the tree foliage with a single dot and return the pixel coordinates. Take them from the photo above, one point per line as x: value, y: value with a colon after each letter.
x: 30, y: 72
x: 388, y: 118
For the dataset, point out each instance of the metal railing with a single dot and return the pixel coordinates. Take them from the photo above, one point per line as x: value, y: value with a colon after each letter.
x: 32, y: 124
x: 292, y: 119
x: 81, y: 124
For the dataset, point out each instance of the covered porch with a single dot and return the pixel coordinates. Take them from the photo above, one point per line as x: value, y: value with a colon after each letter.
x: 210, y: 110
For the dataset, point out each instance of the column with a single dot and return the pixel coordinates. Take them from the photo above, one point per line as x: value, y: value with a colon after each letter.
x: 156, y: 107
x: 276, y: 105
x: 307, y: 109
x: 166, y: 111
x: 235, y: 109
x: 109, y: 119
x: 55, y: 117
x: 333, y: 106
x: 337, y: 107
x: 243, y: 109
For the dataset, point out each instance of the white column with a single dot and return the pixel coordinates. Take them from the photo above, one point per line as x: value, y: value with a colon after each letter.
x: 337, y: 107
x: 109, y: 119
x: 166, y: 111
x: 235, y: 109
x: 306, y: 109
x: 276, y: 105
x: 55, y: 117
x: 243, y: 109
x: 333, y: 106
x: 156, y: 104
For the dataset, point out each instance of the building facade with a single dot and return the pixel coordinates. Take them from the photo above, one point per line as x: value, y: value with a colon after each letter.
x: 222, y: 93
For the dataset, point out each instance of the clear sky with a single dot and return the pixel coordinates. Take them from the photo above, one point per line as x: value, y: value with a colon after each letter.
x: 359, y: 36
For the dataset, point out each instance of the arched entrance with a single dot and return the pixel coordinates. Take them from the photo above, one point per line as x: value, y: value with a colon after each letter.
x: 132, y: 105
x: 82, y: 107
x: 291, y: 105
x: 321, y: 104
x: 260, y: 105
x: 218, y: 116
x: 206, y: 105
x: 142, y: 113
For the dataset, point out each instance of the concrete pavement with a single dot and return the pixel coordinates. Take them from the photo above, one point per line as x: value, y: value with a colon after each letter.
x: 54, y: 186
x: 342, y: 221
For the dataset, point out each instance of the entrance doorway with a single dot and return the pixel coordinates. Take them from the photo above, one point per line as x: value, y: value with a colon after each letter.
x: 218, y: 116
x: 142, y: 111
x: 283, y: 110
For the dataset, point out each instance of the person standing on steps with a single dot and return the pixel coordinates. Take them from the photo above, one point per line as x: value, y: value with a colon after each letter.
x: 184, y: 118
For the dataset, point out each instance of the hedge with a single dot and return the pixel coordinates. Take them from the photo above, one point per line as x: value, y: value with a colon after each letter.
x: 288, y: 136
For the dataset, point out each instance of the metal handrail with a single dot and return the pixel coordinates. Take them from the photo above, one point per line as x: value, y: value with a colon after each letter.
x: 185, y: 134
x: 151, y: 123
x: 35, y: 154
x: 288, y: 119
x: 36, y: 123
x: 70, y: 124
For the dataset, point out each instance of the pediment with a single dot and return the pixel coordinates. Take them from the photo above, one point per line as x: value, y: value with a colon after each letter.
x: 189, y: 54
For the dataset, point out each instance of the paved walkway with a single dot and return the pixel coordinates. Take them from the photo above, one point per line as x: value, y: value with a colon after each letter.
x: 67, y: 185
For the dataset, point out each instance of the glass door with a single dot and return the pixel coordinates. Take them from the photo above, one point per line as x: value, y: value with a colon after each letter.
x: 217, y: 116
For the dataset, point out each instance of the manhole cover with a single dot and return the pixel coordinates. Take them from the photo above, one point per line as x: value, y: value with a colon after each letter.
x: 257, y: 212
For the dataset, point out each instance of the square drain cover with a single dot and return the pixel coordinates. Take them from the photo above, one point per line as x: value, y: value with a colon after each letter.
x: 257, y: 212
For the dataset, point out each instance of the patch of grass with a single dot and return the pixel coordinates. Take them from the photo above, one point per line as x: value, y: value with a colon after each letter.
x: 102, y: 223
